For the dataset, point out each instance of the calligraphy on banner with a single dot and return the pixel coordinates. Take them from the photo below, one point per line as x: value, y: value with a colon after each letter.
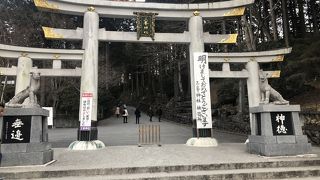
x: 16, y: 129
x: 202, y: 91
x: 86, y: 111
x: 145, y: 24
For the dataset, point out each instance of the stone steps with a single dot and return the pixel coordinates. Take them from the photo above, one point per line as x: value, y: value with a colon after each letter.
x: 248, y: 170
x: 291, y: 172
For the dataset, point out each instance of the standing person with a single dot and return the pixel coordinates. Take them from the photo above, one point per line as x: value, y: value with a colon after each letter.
x: 138, y: 114
x: 150, y: 113
x: 159, y: 112
x: 125, y: 115
x: 117, y: 113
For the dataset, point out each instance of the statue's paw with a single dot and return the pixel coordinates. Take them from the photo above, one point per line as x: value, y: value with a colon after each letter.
x: 281, y: 102
x: 13, y: 105
x: 285, y: 102
x: 265, y: 102
x: 276, y: 102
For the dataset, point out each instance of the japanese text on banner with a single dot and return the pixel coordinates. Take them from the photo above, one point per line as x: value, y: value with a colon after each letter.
x: 86, y: 111
x: 202, y: 91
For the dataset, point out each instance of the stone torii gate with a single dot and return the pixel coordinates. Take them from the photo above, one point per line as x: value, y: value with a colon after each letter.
x: 90, y: 34
x: 25, y: 56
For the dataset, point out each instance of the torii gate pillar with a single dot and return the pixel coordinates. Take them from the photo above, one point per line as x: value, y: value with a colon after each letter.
x: 197, y: 45
x: 253, y: 85
x: 87, y: 139
x: 23, y: 73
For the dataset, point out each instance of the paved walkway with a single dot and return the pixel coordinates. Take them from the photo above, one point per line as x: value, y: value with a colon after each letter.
x: 113, y: 132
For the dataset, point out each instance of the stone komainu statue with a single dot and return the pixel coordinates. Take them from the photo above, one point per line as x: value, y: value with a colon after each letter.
x: 268, y: 93
x: 30, y: 92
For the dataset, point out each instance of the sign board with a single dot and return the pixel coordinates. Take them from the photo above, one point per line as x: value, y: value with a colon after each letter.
x: 86, y: 111
x: 281, y: 123
x: 202, y: 90
x: 16, y: 129
x: 50, y: 117
x: 145, y: 24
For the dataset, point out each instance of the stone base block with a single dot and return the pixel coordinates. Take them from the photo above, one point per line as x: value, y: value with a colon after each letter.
x: 21, y: 154
x: 202, y: 142
x: 26, y: 158
x: 278, y: 145
x: 25, y: 147
x: 86, y: 145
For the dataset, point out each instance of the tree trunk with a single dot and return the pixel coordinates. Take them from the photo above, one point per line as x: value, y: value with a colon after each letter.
x: 253, y: 42
x: 302, y: 23
x: 248, y: 34
x: 241, y: 95
x: 224, y: 31
x: 55, y: 97
x: 175, y: 81
x: 43, y: 88
x: 240, y: 31
x: 189, y: 75
x: 293, y: 17
x: 108, y: 65
x: 142, y: 84
x: 273, y: 21
x: 137, y: 85
x: 4, y: 85
x: 314, y: 17
x: 265, y: 35
x: 179, y: 77
x: 285, y: 22
x: 43, y: 91
x: 175, y: 72
x: 260, y: 24
x: 160, y: 77
x: 149, y: 78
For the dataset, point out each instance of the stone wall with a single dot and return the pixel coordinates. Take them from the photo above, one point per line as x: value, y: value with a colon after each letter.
x: 311, y: 128
x: 65, y: 121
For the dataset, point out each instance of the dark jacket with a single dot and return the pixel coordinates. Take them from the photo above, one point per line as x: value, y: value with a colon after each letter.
x: 137, y: 113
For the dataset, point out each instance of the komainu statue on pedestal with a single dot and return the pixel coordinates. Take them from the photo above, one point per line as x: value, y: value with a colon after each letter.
x: 268, y: 94
x: 20, y: 99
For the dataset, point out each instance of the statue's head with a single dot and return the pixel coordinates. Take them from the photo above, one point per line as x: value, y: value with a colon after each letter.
x: 263, y: 76
x: 35, y: 75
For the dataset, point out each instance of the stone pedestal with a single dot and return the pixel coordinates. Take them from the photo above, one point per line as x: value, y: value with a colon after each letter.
x: 276, y: 131
x: 24, y: 137
x: 201, y: 137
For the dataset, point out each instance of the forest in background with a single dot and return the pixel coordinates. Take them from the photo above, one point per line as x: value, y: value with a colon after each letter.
x: 158, y: 73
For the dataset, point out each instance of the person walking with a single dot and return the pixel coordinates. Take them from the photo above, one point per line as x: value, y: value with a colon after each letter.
x: 117, y: 113
x: 150, y: 113
x: 159, y: 113
x: 125, y: 115
x: 138, y: 114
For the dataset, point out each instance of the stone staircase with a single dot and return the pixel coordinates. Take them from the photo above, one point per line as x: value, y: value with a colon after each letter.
x: 235, y: 171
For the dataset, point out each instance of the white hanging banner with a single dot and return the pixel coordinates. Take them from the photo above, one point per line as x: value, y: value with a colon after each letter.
x: 202, y: 90
x: 50, y: 117
x: 86, y: 111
